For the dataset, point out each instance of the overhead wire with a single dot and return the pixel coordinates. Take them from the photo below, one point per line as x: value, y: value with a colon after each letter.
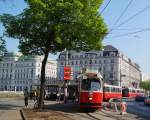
x: 127, y: 20
x: 126, y: 34
x: 130, y: 18
x: 130, y: 29
x: 123, y: 12
x: 105, y: 7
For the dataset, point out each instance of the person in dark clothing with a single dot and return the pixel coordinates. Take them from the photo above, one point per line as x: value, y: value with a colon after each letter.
x: 26, y: 95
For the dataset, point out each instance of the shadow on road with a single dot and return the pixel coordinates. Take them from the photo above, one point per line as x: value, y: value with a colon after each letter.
x: 68, y: 108
x: 8, y: 107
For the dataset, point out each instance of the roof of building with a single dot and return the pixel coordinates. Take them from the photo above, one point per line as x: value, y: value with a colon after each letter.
x: 110, y: 48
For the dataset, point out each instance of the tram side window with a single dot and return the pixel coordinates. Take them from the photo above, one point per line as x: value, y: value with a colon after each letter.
x: 117, y: 89
x: 106, y: 89
x: 133, y: 91
x: 113, y: 89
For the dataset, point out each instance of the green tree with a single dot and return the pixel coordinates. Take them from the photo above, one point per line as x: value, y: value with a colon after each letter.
x: 145, y: 85
x: 50, y: 26
x: 2, y: 48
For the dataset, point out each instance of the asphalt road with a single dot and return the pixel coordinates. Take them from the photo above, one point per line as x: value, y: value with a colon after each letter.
x: 72, y: 110
x: 9, y: 108
x: 139, y: 109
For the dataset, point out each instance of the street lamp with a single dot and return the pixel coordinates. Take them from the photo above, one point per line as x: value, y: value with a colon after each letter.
x: 66, y: 81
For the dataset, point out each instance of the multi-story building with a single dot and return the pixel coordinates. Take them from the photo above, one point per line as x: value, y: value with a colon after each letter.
x: 116, y: 68
x: 18, y: 71
x: 145, y: 77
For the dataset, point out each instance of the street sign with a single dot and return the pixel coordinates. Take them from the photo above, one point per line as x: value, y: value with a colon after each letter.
x: 67, y: 73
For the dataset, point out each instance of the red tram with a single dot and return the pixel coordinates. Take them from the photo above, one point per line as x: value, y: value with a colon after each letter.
x: 132, y: 92
x: 111, y: 91
x: 90, y: 90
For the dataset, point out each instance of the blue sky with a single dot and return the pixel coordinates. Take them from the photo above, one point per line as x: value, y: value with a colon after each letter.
x: 135, y: 46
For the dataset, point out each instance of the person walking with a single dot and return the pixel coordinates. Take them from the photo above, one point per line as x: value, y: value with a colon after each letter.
x: 35, y: 95
x: 58, y: 97
x: 26, y: 95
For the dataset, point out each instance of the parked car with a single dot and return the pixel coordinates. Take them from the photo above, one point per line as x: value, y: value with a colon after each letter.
x: 147, y: 100
x: 140, y: 98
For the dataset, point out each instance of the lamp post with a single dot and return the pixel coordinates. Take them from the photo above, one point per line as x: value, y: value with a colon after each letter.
x: 65, y: 81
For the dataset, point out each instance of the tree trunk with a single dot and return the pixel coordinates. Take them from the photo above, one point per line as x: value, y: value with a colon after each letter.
x: 42, y: 86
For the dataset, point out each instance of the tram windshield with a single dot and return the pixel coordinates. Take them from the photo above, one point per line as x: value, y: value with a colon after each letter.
x: 91, y: 84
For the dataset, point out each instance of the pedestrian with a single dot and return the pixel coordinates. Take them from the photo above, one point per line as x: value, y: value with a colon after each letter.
x: 74, y: 96
x: 35, y: 95
x: 26, y: 95
x: 58, y: 96
x: 44, y: 94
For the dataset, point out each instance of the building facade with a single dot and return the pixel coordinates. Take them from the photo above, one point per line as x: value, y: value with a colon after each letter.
x: 115, y: 67
x: 18, y: 72
x: 145, y: 77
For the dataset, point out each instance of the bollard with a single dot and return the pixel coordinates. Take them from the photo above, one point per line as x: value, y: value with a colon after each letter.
x: 123, y: 108
x: 116, y: 109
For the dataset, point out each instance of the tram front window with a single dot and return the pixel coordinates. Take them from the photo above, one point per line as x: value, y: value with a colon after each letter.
x: 91, y: 84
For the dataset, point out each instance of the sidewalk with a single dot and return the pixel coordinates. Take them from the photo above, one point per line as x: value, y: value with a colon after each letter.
x: 32, y: 114
x: 11, y: 115
x: 47, y: 114
x: 117, y: 115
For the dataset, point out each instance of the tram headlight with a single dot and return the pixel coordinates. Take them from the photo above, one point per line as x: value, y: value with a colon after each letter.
x: 90, y: 96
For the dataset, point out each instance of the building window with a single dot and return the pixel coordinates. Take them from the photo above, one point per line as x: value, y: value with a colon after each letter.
x: 76, y: 56
x: 112, y: 67
x: 95, y: 61
x: 104, y: 76
x: 62, y: 63
x: 90, y: 61
x: 99, y: 69
x: 112, y: 61
x: 111, y: 75
x: 81, y: 56
x: 104, y: 69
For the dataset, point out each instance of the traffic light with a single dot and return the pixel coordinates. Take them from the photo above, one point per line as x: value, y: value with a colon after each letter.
x: 67, y: 73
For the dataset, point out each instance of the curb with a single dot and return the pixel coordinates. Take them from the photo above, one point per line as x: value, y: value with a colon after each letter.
x: 22, y: 115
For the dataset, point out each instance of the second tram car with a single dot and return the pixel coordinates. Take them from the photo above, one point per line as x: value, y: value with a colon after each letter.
x: 131, y: 92
x: 90, y: 90
x: 111, y: 91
